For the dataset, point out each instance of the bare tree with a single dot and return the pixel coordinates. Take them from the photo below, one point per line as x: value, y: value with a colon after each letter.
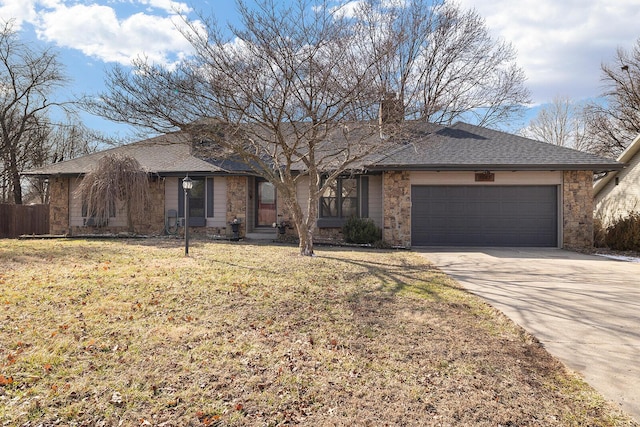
x: 53, y: 143
x: 115, y: 179
x: 296, y: 89
x: 613, y: 124
x: 443, y: 63
x: 27, y: 78
x: 562, y: 122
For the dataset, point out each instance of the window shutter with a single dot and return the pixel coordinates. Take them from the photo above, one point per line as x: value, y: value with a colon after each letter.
x: 209, y: 197
x: 364, y: 197
x: 180, y: 199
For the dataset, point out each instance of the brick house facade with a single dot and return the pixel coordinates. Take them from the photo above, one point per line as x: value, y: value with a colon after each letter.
x: 448, y: 160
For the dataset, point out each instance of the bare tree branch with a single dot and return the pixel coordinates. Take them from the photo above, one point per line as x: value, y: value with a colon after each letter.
x: 613, y: 124
x: 27, y: 79
x: 443, y: 63
x: 295, y: 89
x: 115, y: 179
x: 563, y: 123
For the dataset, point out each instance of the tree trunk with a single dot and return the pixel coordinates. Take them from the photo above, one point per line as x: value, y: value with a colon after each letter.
x: 15, y: 179
x: 305, y: 233
x: 130, y: 218
x: 312, y: 214
x: 306, y: 241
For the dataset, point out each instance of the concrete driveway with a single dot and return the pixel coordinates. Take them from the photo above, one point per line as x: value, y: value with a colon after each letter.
x: 584, y: 309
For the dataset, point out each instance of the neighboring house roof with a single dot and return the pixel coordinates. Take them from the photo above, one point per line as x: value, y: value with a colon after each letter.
x: 420, y: 146
x: 164, y: 154
x: 463, y: 147
x: 624, y: 158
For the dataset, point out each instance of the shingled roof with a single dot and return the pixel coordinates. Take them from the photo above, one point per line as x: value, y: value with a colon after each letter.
x: 421, y: 146
x: 164, y: 154
x: 466, y: 147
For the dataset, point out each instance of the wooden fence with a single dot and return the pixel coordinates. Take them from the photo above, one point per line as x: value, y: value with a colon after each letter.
x: 16, y: 220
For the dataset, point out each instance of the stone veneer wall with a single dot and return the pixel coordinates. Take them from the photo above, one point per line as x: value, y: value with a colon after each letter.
x: 58, y: 205
x: 237, y: 201
x: 577, y: 209
x: 396, y: 190
x: 153, y: 223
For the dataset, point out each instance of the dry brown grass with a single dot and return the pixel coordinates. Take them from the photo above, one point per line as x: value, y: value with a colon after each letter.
x: 129, y: 332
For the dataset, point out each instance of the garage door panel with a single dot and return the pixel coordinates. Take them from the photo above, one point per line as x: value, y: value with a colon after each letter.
x: 484, y: 216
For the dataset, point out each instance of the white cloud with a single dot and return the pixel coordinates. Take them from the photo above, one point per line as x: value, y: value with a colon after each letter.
x: 561, y: 44
x: 18, y: 11
x: 348, y: 9
x: 168, y: 6
x: 97, y: 31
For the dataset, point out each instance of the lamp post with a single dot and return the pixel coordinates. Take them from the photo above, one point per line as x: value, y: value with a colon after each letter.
x: 187, y: 185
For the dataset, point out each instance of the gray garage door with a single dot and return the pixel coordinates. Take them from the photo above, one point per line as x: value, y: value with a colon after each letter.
x: 484, y: 216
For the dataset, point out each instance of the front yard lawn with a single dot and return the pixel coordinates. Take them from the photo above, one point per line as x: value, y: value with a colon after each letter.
x: 132, y: 333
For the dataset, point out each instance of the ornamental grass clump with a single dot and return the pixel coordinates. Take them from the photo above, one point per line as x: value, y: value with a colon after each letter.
x: 624, y: 234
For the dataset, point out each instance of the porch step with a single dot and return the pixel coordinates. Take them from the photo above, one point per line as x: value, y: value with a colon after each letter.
x: 262, y: 234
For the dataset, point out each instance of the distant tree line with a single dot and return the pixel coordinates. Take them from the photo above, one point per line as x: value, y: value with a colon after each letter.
x: 605, y: 126
x: 29, y: 135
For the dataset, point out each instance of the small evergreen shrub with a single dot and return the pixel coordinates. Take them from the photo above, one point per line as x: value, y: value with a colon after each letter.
x: 361, y: 231
x: 624, y: 234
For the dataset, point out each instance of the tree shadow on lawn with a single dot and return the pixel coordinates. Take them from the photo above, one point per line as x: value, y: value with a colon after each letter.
x: 419, y: 278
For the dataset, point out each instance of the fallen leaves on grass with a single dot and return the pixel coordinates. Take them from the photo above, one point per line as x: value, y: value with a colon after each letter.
x: 131, y: 333
x: 208, y: 420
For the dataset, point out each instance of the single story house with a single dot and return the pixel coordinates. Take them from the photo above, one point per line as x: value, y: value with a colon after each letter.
x: 459, y: 185
x: 617, y: 193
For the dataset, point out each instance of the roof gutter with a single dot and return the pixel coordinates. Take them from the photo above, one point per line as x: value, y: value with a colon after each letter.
x: 603, y: 167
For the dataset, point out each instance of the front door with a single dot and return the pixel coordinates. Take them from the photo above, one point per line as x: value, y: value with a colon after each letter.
x: 265, y: 204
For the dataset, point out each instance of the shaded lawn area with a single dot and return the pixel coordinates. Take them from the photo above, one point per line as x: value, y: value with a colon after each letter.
x: 130, y: 332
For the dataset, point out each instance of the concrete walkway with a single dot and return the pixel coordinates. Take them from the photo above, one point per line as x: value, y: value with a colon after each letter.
x: 584, y: 309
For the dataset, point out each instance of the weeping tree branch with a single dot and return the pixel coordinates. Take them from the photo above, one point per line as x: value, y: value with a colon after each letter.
x: 116, y: 178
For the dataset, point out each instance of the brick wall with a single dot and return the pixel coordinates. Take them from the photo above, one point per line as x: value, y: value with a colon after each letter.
x: 577, y: 209
x: 237, y: 201
x: 59, y: 205
x: 396, y: 229
x: 153, y: 221
x: 151, y: 224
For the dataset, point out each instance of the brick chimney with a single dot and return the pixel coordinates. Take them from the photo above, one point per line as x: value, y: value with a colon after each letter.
x: 391, y: 109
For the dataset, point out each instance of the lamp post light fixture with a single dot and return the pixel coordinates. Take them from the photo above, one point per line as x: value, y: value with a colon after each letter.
x: 187, y: 185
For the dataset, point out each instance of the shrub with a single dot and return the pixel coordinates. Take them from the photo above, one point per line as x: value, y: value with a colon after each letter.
x: 624, y: 234
x: 361, y: 231
x: 599, y: 234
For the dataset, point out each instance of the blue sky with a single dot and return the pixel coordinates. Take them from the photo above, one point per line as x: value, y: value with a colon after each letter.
x: 560, y: 43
